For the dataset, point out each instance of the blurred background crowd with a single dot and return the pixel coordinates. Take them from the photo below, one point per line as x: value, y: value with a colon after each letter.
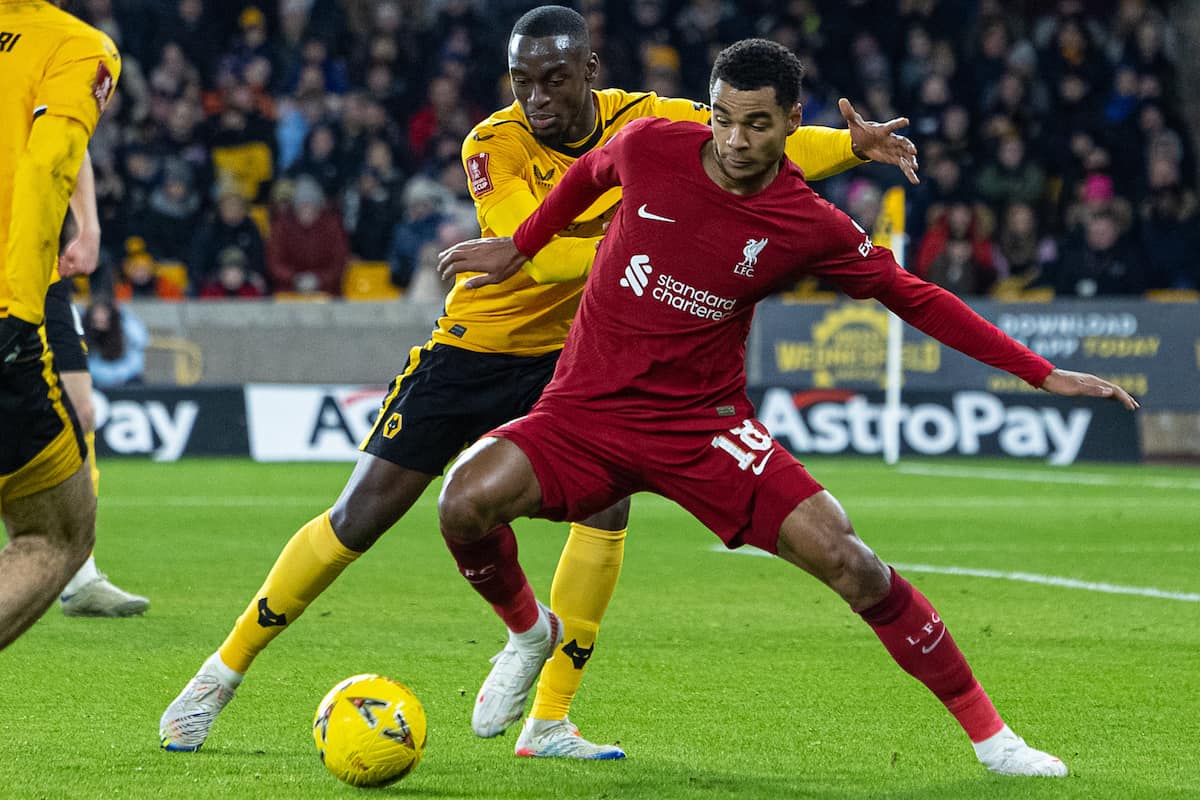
x: 264, y: 148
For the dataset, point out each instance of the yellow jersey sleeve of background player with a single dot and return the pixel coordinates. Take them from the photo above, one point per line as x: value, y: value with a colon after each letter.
x: 57, y: 66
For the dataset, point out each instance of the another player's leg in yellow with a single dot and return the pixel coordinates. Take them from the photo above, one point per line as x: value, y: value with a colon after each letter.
x: 583, y: 584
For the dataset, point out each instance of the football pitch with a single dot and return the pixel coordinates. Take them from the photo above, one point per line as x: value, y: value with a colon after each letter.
x: 1075, y: 593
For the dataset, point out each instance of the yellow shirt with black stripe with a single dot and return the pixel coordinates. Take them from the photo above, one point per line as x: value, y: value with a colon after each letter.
x: 56, y: 76
x: 58, y: 67
x: 509, y: 172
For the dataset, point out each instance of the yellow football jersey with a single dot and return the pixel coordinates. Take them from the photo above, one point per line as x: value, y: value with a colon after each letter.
x: 54, y: 64
x: 509, y: 172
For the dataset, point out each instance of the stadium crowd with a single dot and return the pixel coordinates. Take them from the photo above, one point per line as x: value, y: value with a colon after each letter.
x: 261, y: 147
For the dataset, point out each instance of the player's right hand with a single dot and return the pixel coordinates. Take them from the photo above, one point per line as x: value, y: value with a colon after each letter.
x: 497, y: 259
x: 81, y: 255
x: 17, y: 337
x: 1082, y: 384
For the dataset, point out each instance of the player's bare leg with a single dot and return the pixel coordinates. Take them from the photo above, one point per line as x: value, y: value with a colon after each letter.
x: 377, y: 494
x: 50, y: 533
x: 818, y: 537
x: 89, y: 592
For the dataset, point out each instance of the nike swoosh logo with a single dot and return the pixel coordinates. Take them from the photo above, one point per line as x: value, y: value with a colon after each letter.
x: 758, y: 468
x: 483, y: 137
x: 936, y: 642
x: 644, y: 214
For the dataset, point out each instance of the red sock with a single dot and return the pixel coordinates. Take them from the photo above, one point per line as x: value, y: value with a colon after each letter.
x: 490, y: 565
x: 913, y: 632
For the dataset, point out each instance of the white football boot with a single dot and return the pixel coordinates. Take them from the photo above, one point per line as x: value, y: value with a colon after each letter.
x: 1007, y: 754
x: 501, y: 699
x: 101, y: 598
x: 186, y: 722
x: 559, y: 738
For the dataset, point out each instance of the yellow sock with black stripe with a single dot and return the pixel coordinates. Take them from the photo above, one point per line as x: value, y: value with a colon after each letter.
x: 583, y: 584
x: 310, y: 561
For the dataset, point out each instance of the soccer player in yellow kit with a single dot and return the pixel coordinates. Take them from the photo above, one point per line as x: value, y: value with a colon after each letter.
x: 59, y: 75
x: 486, y: 363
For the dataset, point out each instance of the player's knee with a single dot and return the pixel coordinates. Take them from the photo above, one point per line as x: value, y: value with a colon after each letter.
x: 462, y: 509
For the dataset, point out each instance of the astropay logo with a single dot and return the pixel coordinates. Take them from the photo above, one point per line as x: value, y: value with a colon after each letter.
x: 967, y: 423
x: 637, y: 275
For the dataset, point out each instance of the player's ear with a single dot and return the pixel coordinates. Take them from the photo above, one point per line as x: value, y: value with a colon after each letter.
x: 592, y: 68
x: 794, y: 118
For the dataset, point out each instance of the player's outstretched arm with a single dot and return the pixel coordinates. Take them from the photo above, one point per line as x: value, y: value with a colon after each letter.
x: 496, y: 259
x: 1082, y: 384
x: 878, y: 141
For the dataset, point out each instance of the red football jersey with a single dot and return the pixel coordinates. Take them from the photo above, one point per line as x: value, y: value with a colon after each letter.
x: 662, y: 326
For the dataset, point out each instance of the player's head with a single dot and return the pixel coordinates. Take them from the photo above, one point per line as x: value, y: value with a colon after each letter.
x: 552, y: 68
x: 755, y: 94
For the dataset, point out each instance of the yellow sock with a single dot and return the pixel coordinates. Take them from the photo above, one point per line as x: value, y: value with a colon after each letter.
x: 308, y: 564
x: 583, y: 584
x: 90, y: 438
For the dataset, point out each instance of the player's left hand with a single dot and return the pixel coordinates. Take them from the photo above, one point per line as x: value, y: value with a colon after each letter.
x: 878, y: 141
x: 498, y: 259
x: 80, y: 255
x: 1083, y: 384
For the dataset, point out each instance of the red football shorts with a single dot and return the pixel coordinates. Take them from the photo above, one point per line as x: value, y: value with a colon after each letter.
x: 732, y: 476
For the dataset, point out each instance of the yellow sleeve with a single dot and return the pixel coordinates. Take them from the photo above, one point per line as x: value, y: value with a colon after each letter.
x: 42, y: 186
x: 565, y: 258
x: 495, y: 176
x: 821, y: 152
x: 80, y: 81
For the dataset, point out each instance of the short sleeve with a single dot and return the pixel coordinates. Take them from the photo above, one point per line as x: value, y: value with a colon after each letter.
x: 80, y: 79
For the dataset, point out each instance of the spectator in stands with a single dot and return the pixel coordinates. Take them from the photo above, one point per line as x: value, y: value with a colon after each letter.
x: 1168, y: 230
x: 1011, y: 177
x: 233, y: 279
x: 445, y: 112
x: 308, y: 250
x: 373, y: 203
x: 1021, y: 253
x: 229, y: 227
x: 117, y: 342
x: 141, y: 278
x: 958, y: 269
x: 960, y: 220
x: 242, y: 143
x: 172, y: 215
x: 423, y: 200
x: 1099, y: 262
x: 320, y: 160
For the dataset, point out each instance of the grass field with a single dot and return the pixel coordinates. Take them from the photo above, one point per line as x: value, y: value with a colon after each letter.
x: 723, y: 675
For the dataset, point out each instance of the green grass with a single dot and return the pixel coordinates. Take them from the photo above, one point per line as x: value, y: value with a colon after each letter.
x: 724, y: 676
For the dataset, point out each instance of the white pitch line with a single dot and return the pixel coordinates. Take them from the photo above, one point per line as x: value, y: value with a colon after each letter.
x: 1131, y: 481
x: 1024, y: 577
x: 184, y: 501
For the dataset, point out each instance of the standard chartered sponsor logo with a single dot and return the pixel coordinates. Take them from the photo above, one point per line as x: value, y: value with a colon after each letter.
x: 687, y: 298
x: 675, y: 293
x: 637, y: 274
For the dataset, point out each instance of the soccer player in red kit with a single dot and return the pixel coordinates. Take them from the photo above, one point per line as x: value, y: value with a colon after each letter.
x: 649, y: 394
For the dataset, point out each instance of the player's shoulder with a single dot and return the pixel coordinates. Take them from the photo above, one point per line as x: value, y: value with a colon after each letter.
x: 77, y: 35
x: 501, y: 130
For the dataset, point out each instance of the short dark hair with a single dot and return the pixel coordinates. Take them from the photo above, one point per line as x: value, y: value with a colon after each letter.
x: 554, y: 21
x: 754, y: 63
